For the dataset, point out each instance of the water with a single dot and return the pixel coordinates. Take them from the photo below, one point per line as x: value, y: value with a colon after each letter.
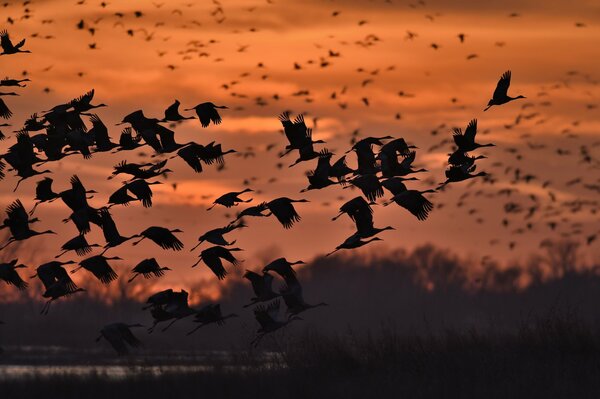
x: 44, y: 362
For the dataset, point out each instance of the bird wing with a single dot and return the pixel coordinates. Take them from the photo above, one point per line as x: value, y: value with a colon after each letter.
x: 214, y: 263
x: 163, y: 238
x: 142, y: 191
x: 471, y: 130
x: 83, y: 99
x: 502, y: 86
x: 284, y: 211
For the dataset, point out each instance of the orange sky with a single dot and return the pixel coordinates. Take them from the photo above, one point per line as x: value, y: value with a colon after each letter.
x: 553, y: 61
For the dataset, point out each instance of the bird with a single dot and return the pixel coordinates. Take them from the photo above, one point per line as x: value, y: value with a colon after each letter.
x: 9, y: 274
x: 356, y: 204
x: 140, y: 189
x: 262, y: 287
x: 162, y: 237
x: 215, y: 236
x: 57, y: 282
x: 78, y: 244
x: 294, y: 300
x: 44, y: 193
x: 352, y: 242
x: 411, y: 200
x: 500, y: 95
x: 284, y: 211
x: 119, y: 336
x: 207, y: 112
x: 83, y: 103
x: 209, y: 314
x: 230, y: 199
x: 460, y: 173
x: 172, y: 113
x: 283, y: 267
x: 369, y: 184
x: 361, y: 214
x: 168, y: 305
x: 147, y: 268
x: 8, y: 47
x: 18, y: 222
x: 5, y: 112
x: 212, y: 258
x: 269, y: 320
x: 466, y: 142
x: 98, y: 265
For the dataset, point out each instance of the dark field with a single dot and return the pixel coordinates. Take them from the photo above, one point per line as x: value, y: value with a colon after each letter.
x: 557, y: 356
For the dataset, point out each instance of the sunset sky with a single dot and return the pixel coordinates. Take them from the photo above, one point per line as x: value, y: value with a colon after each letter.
x: 211, y: 51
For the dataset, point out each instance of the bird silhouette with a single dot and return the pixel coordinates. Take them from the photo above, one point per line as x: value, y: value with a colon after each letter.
x: 10, y: 275
x: 262, y: 285
x: 210, y: 314
x: 284, y: 211
x: 353, y: 242
x: 8, y: 47
x: 207, y: 112
x: 269, y: 320
x: 119, y: 336
x: 212, y: 258
x: 148, y: 268
x: 18, y: 223
x: 230, y: 199
x: 78, y: 244
x: 98, y: 265
x: 216, y: 236
x: 466, y: 142
x: 501, y: 93
x: 411, y: 200
x: 172, y: 113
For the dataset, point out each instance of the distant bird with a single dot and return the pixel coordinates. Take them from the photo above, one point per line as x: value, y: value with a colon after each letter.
x: 283, y: 209
x: 8, y: 47
x: 212, y: 258
x: 230, y: 199
x: 207, y: 112
x: 9, y: 274
x: 99, y: 267
x: 269, y: 320
x: 172, y: 113
x: 148, y: 268
x: 210, y: 314
x: 501, y: 93
x: 119, y: 336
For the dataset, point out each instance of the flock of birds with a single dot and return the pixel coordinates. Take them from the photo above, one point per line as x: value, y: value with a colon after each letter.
x: 383, y: 164
x: 61, y: 132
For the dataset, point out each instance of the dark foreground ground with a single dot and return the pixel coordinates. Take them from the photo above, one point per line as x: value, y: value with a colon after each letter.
x: 553, y: 357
